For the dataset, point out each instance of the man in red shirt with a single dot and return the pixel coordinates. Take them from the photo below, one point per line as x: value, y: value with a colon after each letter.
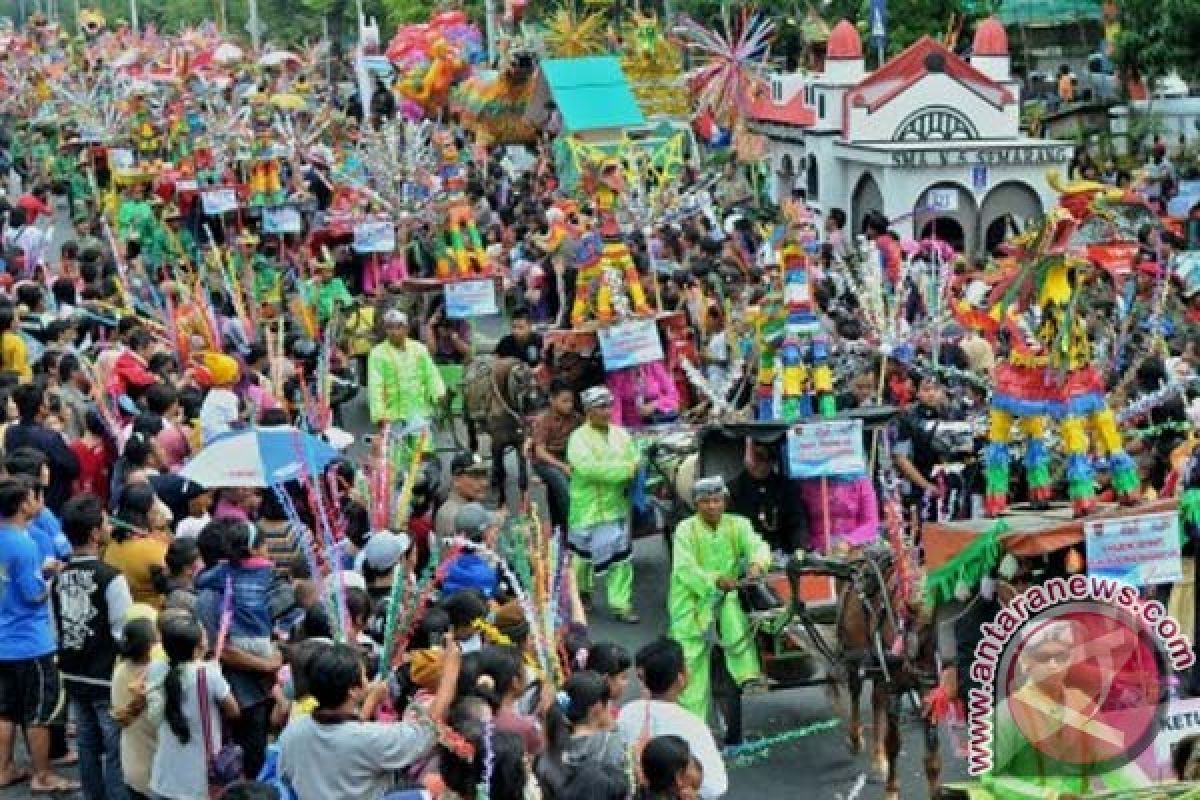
x: 35, y: 204
x: 131, y: 376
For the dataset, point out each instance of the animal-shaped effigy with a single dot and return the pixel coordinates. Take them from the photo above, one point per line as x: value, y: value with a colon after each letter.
x: 460, y: 252
x: 608, y: 287
x: 493, y: 104
x: 1048, y: 377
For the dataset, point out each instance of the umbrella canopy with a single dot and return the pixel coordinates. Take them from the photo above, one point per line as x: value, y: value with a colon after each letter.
x: 228, y: 53
x: 277, y: 58
x: 258, y: 457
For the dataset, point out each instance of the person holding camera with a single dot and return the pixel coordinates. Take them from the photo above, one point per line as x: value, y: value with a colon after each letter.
x: 915, y: 452
x: 448, y: 340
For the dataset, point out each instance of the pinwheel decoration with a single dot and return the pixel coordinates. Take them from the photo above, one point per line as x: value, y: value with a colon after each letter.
x: 730, y: 76
x: 569, y: 35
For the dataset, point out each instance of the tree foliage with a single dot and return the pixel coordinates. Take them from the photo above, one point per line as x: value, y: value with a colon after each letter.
x: 290, y: 22
x: 1158, y: 36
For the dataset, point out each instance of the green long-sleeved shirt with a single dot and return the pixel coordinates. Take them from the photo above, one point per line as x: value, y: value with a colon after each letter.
x: 602, y: 467
x: 402, y: 385
x: 701, y: 556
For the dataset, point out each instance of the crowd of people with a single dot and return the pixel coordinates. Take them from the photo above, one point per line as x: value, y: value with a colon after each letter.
x: 173, y: 638
x: 179, y: 640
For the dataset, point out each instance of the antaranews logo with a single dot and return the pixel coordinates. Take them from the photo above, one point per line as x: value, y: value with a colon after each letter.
x: 1071, y: 678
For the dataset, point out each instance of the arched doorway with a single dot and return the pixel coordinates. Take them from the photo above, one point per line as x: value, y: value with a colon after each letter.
x: 865, y: 198
x: 948, y: 211
x: 998, y: 231
x: 1006, y: 210
x: 946, y: 229
x: 786, y: 178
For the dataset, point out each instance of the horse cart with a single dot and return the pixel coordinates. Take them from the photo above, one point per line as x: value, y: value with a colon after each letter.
x: 794, y: 610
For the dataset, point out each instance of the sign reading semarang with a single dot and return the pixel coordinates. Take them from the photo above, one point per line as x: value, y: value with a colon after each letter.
x: 992, y: 157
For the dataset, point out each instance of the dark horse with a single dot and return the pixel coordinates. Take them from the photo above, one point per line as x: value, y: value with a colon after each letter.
x: 890, y: 639
x: 498, y: 396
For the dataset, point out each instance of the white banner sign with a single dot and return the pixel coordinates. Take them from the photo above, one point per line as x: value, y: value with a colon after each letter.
x: 628, y: 344
x: 467, y: 299
x: 219, y: 201
x: 1141, y: 551
x: 374, y: 237
x: 283, y: 219
x: 824, y: 449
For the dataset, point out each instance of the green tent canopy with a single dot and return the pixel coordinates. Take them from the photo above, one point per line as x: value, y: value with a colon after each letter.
x: 591, y: 93
x: 1037, y: 12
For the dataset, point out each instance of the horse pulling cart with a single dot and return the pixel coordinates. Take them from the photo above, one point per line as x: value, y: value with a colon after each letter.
x: 794, y: 611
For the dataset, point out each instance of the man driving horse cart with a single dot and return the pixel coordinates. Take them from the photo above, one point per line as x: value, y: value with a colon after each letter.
x: 713, y: 552
x: 750, y: 619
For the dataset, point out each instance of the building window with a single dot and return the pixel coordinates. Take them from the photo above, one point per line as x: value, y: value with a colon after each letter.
x: 808, y: 96
x: 813, y: 181
x: 821, y: 105
x: 776, y: 91
x: 935, y: 123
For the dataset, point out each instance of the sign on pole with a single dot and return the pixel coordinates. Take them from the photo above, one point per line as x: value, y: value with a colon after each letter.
x: 280, y: 220
x: 826, y: 449
x: 375, y: 237
x: 219, y: 201
x: 628, y: 344
x: 467, y: 299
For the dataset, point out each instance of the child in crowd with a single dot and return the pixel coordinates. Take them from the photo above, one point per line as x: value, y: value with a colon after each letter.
x: 176, y: 699
x: 249, y: 576
x: 139, y: 737
x: 580, y: 731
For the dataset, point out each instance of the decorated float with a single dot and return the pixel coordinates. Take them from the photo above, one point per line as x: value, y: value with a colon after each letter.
x: 430, y: 58
x: 493, y: 103
x: 1049, y: 375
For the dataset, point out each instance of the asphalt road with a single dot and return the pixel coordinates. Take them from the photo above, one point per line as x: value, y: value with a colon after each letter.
x: 817, y: 767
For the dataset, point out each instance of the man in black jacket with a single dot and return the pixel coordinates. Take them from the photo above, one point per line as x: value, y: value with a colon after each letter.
x: 522, y: 342
x: 90, y: 602
x: 30, y: 431
x: 770, y: 501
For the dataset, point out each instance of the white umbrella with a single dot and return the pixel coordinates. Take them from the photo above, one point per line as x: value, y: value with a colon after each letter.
x: 228, y: 53
x: 259, y: 457
x: 277, y: 58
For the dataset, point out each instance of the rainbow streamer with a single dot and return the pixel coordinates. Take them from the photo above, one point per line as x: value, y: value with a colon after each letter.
x: 393, y: 612
x: 418, y: 600
x: 316, y: 504
x: 752, y: 752
x: 542, y: 647
x: 404, y: 503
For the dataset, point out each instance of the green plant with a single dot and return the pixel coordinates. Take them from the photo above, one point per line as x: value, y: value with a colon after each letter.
x: 1033, y: 114
x: 1142, y: 126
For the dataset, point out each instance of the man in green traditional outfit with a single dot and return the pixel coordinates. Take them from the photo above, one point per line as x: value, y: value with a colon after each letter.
x: 403, y: 384
x: 327, y: 292
x: 603, y: 460
x: 712, y: 551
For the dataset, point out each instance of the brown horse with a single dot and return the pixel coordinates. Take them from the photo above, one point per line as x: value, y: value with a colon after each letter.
x: 499, y: 394
x: 891, y: 640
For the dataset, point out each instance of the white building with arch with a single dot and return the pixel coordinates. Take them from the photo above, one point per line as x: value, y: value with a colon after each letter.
x: 930, y: 139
